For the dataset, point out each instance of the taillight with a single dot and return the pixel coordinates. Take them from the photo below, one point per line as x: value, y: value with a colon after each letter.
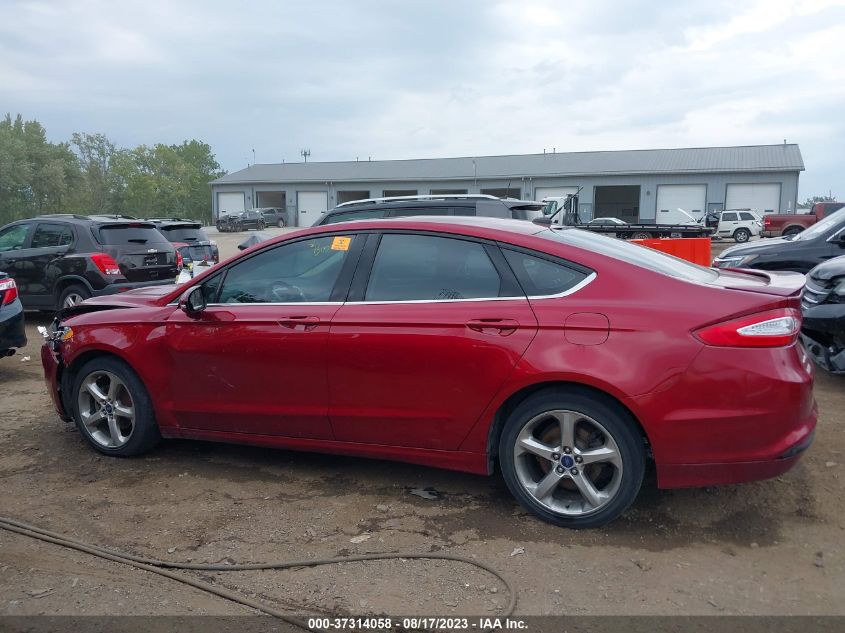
x: 773, y: 328
x: 180, y: 261
x: 767, y: 221
x: 105, y: 263
x: 8, y: 291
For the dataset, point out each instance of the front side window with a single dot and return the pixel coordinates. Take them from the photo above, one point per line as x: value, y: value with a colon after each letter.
x: 47, y: 235
x: 428, y: 268
x: 12, y: 239
x: 304, y: 271
x: 541, y: 277
x: 411, y: 211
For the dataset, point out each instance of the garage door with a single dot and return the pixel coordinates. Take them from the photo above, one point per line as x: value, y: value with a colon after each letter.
x: 230, y: 202
x: 311, y: 205
x: 549, y: 192
x: 670, y: 198
x: 764, y: 198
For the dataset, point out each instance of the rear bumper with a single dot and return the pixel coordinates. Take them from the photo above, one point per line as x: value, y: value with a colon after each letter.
x: 735, y: 415
x: 113, y: 289
x: 769, y: 233
x: 12, y: 331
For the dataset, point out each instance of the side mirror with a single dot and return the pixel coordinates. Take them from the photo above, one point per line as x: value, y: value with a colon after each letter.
x: 192, y: 302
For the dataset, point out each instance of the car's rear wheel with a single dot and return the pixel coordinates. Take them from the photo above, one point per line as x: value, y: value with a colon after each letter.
x: 742, y: 235
x: 792, y: 231
x: 572, y: 458
x: 112, y: 408
x: 73, y: 295
x: 281, y: 223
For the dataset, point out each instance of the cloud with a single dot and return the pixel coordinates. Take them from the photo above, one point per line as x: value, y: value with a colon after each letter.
x: 401, y: 80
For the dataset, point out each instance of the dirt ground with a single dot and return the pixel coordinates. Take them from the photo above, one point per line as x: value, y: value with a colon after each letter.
x: 773, y: 547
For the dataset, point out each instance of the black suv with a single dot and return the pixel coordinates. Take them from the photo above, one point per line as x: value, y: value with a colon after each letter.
x: 188, y: 239
x: 59, y: 260
x: 274, y: 216
x: 251, y: 219
x: 469, y: 204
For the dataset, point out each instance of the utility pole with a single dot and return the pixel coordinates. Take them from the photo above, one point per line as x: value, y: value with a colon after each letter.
x: 253, y: 155
x: 305, y: 153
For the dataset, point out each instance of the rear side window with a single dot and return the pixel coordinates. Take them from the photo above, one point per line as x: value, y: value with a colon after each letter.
x: 632, y: 254
x: 363, y: 214
x: 184, y: 234
x: 729, y: 217
x: 747, y: 216
x: 541, y: 277
x: 427, y: 268
x: 47, y: 235
x: 124, y: 234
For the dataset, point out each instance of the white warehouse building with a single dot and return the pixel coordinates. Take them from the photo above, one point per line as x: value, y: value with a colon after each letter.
x: 632, y: 185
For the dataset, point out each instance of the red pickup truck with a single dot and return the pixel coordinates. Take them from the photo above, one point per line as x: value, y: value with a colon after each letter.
x: 777, y: 224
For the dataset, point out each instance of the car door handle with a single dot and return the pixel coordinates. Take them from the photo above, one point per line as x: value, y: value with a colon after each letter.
x: 300, y: 323
x: 502, y: 327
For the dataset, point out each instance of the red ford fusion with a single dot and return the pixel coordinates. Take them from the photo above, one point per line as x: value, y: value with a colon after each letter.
x: 565, y: 359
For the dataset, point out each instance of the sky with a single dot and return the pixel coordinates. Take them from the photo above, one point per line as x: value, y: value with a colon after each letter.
x: 385, y: 79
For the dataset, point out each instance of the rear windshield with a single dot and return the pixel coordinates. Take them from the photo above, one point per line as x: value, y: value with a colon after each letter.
x: 527, y: 212
x: 189, y: 234
x: 635, y: 254
x: 116, y: 234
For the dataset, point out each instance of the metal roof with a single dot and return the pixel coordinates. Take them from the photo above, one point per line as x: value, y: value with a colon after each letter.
x: 749, y: 158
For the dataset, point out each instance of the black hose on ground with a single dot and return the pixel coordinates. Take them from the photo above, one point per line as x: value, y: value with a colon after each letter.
x: 162, y: 568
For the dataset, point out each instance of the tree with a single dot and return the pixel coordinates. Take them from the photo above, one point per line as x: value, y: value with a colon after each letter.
x: 809, y: 202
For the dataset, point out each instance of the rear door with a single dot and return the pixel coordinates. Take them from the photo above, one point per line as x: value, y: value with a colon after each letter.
x: 142, y: 253
x: 50, y: 242
x: 434, y: 326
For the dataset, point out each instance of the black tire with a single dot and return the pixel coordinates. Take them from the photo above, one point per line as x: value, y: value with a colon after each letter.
x: 73, y: 294
x: 281, y: 223
x: 641, y: 235
x: 145, y: 434
x: 624, y: 483
x: 262, y: 225
x: 742, y: 235
x: 794, y: 230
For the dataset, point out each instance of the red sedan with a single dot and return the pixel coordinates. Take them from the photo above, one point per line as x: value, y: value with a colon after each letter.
x: 567, y: 359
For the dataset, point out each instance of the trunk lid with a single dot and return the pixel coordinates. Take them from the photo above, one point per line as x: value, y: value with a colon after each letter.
x: 140, y: 251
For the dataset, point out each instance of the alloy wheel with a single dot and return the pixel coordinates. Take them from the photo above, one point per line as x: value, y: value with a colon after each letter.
x: 568, y: 462
x: 106, y: 409
x: 74, y: 298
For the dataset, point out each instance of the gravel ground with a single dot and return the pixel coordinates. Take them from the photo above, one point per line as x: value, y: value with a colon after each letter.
x: 772, y: 547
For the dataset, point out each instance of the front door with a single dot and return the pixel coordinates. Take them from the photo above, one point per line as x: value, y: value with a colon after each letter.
x: 255, y: 360
x: 434, y: 336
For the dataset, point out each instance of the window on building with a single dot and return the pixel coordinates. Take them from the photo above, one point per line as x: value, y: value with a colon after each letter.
x: 350, y: 196
x: 504, y: 192
x: 397, y: 193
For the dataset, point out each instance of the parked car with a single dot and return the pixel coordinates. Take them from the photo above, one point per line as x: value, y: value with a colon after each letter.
x: 607, y: 222
x: 567, y: 359
x: 738, y: 224
x: 274, y: 216
x: 245, y: 220
x: 12, y: 331
x: 454, y: 205
x: 799, y: 252
x: 823, y: 307
x: 777, y: 224
x: 60, y: 260
x: 187, y: 236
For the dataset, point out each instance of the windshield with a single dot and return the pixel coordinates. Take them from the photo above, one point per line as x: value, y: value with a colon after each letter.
x: 550, y: 208
x: 635, y: 254
x: 823, y: 227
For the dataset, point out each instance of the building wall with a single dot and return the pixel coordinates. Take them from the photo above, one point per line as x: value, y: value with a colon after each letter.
x: 716, y: 188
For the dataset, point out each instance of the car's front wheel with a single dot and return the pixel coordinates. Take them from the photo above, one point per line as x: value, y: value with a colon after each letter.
x: 572, y: 458
x: 281, y: 223
x: 112, y: 408
x: 641, y: 235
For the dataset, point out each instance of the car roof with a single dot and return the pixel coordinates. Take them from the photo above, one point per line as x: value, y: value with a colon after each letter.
x: 75, y: 218
x: 477, y: 226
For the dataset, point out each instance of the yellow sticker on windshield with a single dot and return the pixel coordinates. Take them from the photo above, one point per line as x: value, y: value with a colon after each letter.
x: 341, y: 243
